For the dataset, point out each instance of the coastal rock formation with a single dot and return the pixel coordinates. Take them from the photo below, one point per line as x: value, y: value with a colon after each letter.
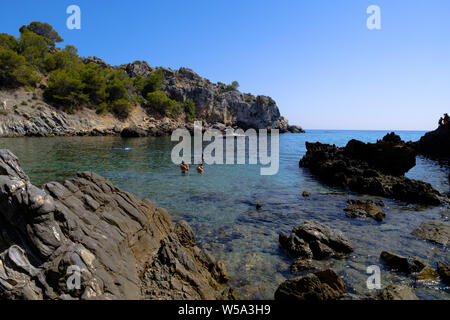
x: 397, y: 292
x: 321, y: 285
x: 435, y: 143
x: 434, y: 231
x: 351, y: 167
x: 443, y: 269
x: 409, y: 265
x: 313, y: 240
x: 28, y: 114
x: 133, y: 132
x: 364, y: 208
x: 87, y: 239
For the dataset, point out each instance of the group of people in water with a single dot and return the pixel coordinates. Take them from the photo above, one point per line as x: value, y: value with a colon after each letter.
x: 185, y: 167
x: 444, y: 121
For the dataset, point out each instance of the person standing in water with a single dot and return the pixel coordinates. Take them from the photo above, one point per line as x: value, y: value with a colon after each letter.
x: 200, y: 168
x: 184, y: 167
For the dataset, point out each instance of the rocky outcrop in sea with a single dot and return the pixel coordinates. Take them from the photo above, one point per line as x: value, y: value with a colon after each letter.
x: 116, y: 245
x: 371, y: 168
x: 436, y: 143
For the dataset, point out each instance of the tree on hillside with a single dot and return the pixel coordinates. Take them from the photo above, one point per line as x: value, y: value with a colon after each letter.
x: 235, y: 85
x: 42, y: 29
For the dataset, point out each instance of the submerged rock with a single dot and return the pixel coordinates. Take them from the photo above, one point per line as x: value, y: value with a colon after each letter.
x: 443, y: 269
x: 434, y: 231
x: 321, y: 285
x: 313, y: 240
x: 364, y: 208
x: 375, y: 175
x: 409, y: 265
x: 306, y: 193
x: 397, y: 292
x: 122, y: 247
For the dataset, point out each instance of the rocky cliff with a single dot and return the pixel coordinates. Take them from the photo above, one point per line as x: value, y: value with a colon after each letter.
x: 122, y: 247
x: 28, y: 114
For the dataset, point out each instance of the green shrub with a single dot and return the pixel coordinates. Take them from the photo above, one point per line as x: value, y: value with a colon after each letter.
x: 121, y: 108
x: 8, y: 42
x: 65, y: 89
x: 15, y: 71
x: 189, y: 109
x: 43, y: 29
x: 158, y: 101
x: 153, y: 83
x: 3, y: 113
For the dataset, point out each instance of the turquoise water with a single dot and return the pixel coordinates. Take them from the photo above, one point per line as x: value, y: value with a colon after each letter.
x: 220, y: 204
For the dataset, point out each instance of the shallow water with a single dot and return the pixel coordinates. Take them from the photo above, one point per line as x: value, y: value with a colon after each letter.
x: 220, y: 204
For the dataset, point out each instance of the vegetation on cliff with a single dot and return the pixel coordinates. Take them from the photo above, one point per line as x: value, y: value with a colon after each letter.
x: 69, y: 83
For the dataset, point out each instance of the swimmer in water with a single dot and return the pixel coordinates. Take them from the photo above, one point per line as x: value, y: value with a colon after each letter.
x: 200, y: 168
x: 184, y: 167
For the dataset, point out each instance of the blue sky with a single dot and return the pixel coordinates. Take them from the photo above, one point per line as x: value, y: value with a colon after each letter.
x: 316, y: 58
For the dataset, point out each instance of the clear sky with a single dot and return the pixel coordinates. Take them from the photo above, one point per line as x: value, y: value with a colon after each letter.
x: 316, y: 58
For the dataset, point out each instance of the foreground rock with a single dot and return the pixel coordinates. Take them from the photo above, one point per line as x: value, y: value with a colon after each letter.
x: 409, y: 265
x: 122, y: 247
x: 364, y: 208
x: 375, y: 169
x: 321, y: 285
x: 443, y: 269
x: 436, y: 143
x: 434, y: 231
x: 313, y: 240
x: 397, y: 292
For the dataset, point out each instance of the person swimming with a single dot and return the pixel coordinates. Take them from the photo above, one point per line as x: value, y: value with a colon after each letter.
x: 200, y: 168
x: 184, y: 167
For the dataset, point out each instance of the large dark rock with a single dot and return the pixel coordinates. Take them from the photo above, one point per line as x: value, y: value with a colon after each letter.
x: 434, y: 231
x: 443, y: 269
x: 390, y: 155
x: 436, y: 143
x: 409, y: 265
x: 315, y: 240
x: 319, y: 286
x: 133, y: 132
x: 123, y: 247
x: 349, y: 167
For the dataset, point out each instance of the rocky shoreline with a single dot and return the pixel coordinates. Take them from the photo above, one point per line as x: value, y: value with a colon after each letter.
x: 371, y: 168
x: 27, y: 113
x: 122, y: 247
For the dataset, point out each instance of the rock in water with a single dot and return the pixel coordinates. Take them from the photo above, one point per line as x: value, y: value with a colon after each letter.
x: 122, y: 247
x: 351, y: 167
x: 443, y: 269
x: 306, y: 193
x: 321, y: 285
x: 390, y: 155
x: 133, y: 132
x: 315, y: 240
x: 436, y: 143
x: 434, y: 231
x: 410, y: 265
x: 364, y: 208
x: 397, y: 292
